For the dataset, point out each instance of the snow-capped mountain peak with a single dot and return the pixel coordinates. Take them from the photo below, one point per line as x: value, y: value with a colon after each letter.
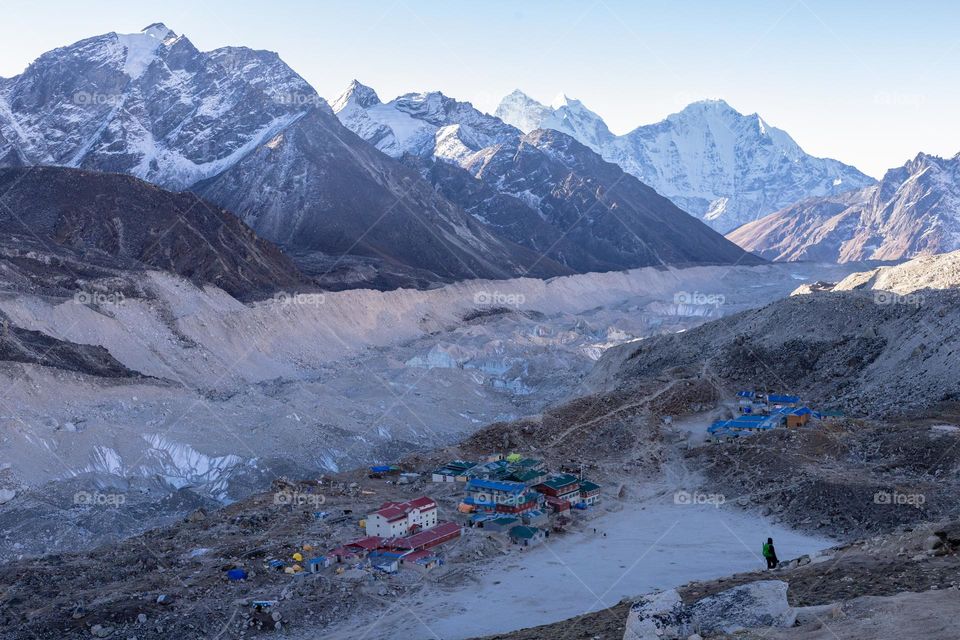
x: 562, y: 100
x: 711, y: 105
x: 159, y: 31
x: 718, y: 164
x: 149, y: 104
x: 423, y: 124
x: 717, y: 113
x: 522, y: 111
x: 533, y: 187
x: 357, y: 94
x: 564, y: 114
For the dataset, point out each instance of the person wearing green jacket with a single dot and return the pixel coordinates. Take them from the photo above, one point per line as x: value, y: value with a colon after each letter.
x: 770, y: 554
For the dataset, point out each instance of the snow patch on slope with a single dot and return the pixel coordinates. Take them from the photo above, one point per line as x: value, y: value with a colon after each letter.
x: 141, y: 48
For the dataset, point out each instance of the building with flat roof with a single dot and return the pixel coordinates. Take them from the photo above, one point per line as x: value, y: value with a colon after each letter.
x: 589, y: 492
x: 564, y: 486
x: 453, y: 471
x: 527, y: 536
x: 443, y: 532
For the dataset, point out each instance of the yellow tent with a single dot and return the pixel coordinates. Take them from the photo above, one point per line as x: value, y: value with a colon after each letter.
x: 514, y: 457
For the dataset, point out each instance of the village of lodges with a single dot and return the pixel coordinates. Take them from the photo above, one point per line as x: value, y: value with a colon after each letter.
x: 512, y: 497
x: 758, y: 412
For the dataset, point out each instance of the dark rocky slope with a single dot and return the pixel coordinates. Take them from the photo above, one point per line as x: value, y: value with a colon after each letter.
x: 66, y: 227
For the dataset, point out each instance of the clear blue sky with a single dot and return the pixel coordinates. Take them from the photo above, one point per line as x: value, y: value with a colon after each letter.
x: 870, y: 83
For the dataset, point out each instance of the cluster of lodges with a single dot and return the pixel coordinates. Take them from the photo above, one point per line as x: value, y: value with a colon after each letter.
x: 762, y: 412
x: 510, y: 494
x: 516, y: 496
x: 399, y: 534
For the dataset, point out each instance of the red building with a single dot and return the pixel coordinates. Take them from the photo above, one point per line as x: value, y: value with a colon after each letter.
x: 563, y: 487
x: 557, y: 505
x: 531, y: 503
x: 363, y: 546
x: 443, y: 532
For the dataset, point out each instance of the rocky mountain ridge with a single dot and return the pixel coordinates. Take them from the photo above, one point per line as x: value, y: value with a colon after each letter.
x: 543, y: 190
x: 68, y: 231
x: 914, y: 210
x: 243, y: 130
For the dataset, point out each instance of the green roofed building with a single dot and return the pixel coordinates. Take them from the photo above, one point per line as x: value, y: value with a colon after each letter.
x: 528, y: 477
x: 501, y: 525
x: 527, y: 536
x: 589, y: 492
x: 453, y: 471
x: 563, y: 486
x: 531, y: 463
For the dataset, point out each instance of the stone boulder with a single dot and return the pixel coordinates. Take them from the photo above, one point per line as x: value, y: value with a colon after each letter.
x: 663, y: 616
x: 658, y: 615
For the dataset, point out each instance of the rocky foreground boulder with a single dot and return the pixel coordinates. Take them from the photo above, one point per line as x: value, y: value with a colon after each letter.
x: 664, y: 616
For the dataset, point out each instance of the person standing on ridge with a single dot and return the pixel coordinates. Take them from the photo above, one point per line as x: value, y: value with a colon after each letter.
x: 770, y: 554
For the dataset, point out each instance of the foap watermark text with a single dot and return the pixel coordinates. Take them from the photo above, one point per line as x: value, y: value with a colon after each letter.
x: 304, y: 299
x: 298, y: 499
x: 699, y: 497
x: 899, y: 499
x: 699, y: 298
x: 498, y: 299
x: 99, y: 298
x: 97, y: 499
x: 891, y: 298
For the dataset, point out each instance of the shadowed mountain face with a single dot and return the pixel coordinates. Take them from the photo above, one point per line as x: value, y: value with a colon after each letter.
x: 554, y: 194
x: 914, y: 210
x: 61, y: 227
x: 242, y: 129
x: 543, y: 190
x: 318, y: 187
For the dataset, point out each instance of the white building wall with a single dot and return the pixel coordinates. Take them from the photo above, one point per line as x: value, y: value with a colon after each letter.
x: 377, y: 525
x: 426, y: 519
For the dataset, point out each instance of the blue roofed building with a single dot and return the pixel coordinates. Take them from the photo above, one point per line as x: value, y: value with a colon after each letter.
x: 783, y: 400
x: 501, y: 496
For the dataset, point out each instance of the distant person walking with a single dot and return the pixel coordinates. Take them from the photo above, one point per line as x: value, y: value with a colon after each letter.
x: 770, y: 554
